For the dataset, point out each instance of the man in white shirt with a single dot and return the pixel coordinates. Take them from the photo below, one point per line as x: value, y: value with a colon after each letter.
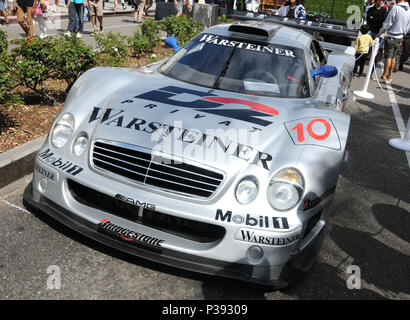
x: 406, y: 45
x: 396, y: 25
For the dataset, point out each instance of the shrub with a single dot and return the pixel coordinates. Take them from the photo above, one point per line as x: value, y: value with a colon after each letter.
x: 150, y: 27
x: 8, y: 80
x: 4, y: 45
x: 63, y: 58
x: 140, y: 44
x: 113, y: 49
x: 33, y: 64
x: 183, y: 28
x: 223, y: 19
x: 71, y: 58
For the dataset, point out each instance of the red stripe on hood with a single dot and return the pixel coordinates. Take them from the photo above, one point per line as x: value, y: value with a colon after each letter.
x: 254, y: 105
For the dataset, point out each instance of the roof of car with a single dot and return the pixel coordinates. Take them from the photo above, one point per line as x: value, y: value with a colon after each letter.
x: 276, y: 33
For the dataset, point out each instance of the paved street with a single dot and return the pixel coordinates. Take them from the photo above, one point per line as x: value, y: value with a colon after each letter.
x: 369, y: 227
x: 122, y: 23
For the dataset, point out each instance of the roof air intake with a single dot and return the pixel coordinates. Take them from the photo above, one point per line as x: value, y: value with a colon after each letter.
x: 249, y: 30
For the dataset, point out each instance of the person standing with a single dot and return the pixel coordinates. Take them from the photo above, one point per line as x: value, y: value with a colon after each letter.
x: 406, y: 46
x: 396, y: 26
x: 40, y: 15
x: 292, y: 9
x: 116, y: 5
x: 76, y: 9
x: 138, y: 10
x: 368, y: 5
x: 179, y: 7
x: 25, y: 10
x: 361, y: 45
x: 96, y: 11
x: 375, y: 17
x: 3, y: 11
x: 148, y: 4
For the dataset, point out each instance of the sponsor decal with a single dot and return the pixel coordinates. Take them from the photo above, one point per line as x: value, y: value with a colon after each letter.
x: 314, y: 131
x: 266, y: 222
x: 128, y: 235
x: 309, y: 204
x: 49, y: 174
x: 212, y: 39
x: 264, y: 238
x: 210, y: 103
x: 57, y: 162
x: 119, y: 118
x: 131, y: 203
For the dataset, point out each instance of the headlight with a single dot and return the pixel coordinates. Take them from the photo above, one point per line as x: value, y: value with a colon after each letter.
x: 247, y: 190
x: 62, y: 130
x: 285, y: 189
x: 80, y: 145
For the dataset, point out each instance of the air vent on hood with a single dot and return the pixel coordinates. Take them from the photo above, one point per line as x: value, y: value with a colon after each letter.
x: 254, y: 29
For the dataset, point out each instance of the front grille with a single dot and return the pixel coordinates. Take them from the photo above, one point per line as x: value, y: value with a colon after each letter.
x: 140, y: 165
x: 185, y: 228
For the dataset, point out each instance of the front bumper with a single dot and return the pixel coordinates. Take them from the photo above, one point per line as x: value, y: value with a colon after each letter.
x: 224, y: 256
x: 256, y: 274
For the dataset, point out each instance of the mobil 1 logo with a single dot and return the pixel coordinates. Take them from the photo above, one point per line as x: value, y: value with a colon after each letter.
x: 59, y: 163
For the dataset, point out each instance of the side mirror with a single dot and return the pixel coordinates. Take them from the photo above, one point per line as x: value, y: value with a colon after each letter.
x: 326, y: 71
x: 171, y: 42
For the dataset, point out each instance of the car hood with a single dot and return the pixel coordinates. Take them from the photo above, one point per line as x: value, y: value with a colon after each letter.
x: 221, y: 129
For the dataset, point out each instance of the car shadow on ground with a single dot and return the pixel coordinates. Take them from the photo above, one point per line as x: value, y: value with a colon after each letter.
x: 327, y: 282
x: 371, y: 156
x: 381, y: 266
x: 402, y: 91
x: 394, y: 219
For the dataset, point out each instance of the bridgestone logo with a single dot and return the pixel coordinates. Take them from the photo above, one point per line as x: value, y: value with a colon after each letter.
x: 128, y: 235
x: 309, y: 204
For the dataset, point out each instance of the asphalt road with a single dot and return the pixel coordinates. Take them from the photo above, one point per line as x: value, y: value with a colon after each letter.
x: 369, y: 228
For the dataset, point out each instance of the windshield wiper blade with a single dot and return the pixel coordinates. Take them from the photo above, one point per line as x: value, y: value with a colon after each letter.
x: 223, y: 72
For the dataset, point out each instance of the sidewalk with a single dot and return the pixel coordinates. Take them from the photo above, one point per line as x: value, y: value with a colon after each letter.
x: 62, y: 10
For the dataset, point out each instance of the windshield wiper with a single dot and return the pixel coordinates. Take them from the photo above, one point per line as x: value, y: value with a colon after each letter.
x: 223, y: 72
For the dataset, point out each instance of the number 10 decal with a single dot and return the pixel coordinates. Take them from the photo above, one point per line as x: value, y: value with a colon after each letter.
x: 301, y: 136
x: 313, y: 131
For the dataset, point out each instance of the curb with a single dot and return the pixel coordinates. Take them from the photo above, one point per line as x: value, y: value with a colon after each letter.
x: 19, y: 161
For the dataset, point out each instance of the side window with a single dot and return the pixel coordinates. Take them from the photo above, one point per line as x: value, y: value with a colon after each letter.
x: 314, y: 57
x: 320, y: 52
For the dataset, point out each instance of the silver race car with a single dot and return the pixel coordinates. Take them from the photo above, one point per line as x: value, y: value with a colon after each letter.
x: 221, y: 159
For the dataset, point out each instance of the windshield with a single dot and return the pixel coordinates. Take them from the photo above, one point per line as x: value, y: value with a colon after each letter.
x: 247, y: 67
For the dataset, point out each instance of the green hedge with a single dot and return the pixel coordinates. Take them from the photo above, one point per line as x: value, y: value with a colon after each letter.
x: 183, y: 28
x: 3, y: 42
x: 339, y: 7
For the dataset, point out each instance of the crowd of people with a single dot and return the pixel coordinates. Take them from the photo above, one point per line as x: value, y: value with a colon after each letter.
x: 390, y: 21
x: 78, y: 12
